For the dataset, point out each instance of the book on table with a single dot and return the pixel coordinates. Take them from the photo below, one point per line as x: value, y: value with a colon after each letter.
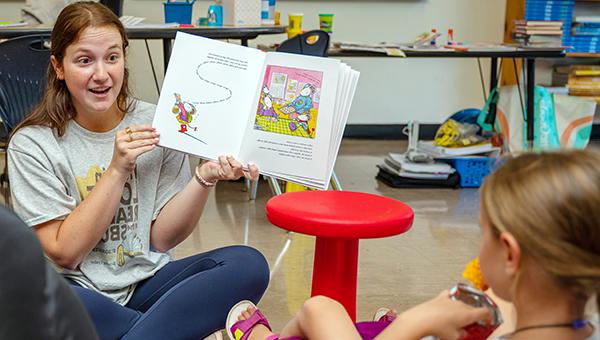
x: 545, y: 23
x: 284, y: 112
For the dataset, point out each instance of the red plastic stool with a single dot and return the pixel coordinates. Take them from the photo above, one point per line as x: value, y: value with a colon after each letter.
x: 338, y: 219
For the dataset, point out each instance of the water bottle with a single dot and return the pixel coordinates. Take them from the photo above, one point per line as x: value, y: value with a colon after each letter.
x: 215, y: 15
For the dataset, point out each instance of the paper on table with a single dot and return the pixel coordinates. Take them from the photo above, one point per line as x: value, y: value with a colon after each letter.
x: 12, y: 24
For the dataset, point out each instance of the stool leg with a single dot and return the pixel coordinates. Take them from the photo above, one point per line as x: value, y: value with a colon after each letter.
x: 334, y: 271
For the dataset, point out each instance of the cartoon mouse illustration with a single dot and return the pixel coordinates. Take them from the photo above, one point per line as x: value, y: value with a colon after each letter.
x: 266, y: 105
x: 301, y: 108
x: 184, y: 112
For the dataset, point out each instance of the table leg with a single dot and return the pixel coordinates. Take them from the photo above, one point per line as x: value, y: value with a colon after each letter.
x: 166, y: 53
x: 335, y: 271
x: 530, y: 100
x: 493, y: 73
x: 491, y: 117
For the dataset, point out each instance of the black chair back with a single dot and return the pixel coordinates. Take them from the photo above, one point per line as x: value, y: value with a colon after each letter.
x: 315, y: 43
x: 23, y: 65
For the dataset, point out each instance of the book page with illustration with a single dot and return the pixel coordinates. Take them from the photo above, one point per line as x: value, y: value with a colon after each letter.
x: 208, y: 91
x: 291, y: 129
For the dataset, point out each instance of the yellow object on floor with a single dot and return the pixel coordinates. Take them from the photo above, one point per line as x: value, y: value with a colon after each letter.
x: 293, y: 187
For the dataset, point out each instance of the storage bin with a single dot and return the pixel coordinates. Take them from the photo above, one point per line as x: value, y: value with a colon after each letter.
x: 179, y: 12
x: 472, y: 170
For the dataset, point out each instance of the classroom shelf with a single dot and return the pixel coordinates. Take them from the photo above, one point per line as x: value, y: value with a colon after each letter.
x: 583, y: 55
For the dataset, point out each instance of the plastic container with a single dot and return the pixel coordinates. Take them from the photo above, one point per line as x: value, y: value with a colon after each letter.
x: 215, y: 15
x: 294, y: 24
x: 326, y: 22
x: 479, y: 330
x: 472, y: 170
x: 179, y: 12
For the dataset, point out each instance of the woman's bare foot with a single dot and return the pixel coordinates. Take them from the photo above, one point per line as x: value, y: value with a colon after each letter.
x: 258, y: 332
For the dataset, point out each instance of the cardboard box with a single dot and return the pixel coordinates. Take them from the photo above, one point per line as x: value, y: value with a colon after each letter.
x: 241, y: 12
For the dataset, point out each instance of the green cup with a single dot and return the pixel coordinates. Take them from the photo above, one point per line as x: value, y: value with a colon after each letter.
x: 326, y: 22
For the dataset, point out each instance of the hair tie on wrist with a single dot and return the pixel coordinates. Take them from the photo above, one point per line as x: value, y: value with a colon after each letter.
x: 202, y: 181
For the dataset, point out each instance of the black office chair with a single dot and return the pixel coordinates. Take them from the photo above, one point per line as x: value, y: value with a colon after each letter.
x: 23, y: 65
x: 314, y: 43
x: 115, y: 5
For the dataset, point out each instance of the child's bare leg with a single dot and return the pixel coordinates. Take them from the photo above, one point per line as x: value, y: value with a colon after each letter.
x: 258, y: 332
x: 321, y: 318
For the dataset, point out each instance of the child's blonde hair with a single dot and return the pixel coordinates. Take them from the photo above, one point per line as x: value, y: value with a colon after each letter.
x: 550, y: 203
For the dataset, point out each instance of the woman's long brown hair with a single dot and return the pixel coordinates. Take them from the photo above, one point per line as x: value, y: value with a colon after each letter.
x: 56, y: 108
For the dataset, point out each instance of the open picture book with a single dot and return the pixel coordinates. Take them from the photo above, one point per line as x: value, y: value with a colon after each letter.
x: 284, y: 112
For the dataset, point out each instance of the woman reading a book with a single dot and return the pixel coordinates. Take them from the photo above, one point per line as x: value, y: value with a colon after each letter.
x: 107, y: 204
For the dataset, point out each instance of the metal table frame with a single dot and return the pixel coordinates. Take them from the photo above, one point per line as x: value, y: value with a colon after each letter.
x: 529, y: 56
x: 167, y: 34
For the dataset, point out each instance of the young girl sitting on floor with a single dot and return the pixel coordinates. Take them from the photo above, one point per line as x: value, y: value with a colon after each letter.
x: 540, y: 250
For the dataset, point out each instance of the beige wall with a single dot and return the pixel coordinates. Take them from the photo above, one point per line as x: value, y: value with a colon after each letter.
x: 390, y: 90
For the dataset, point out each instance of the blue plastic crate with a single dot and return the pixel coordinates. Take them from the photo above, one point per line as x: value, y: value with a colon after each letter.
x: 179, y: 12
x: 472, y: 170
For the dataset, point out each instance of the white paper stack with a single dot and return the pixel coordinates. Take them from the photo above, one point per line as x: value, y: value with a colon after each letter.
x: 436, y: 151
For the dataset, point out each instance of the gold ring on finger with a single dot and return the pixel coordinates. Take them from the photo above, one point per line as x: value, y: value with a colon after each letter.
x: 129, y: 132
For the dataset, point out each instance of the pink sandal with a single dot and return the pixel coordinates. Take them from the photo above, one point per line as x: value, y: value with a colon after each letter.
x: 384, y: 315
x: 241, y: 329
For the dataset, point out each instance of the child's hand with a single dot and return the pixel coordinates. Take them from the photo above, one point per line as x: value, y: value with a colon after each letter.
x: 443, y: 317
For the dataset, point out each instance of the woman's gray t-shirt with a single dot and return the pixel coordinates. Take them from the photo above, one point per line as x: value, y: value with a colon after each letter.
x: 50, y: 176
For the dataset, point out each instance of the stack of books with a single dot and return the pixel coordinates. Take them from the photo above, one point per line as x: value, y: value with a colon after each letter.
x: 399, y: 165
x: 538, y: 32
x: 398, y: 171
x: 552, y: 10
x: 584, y: 80
x: 586, y: 34
x: 586, y: 26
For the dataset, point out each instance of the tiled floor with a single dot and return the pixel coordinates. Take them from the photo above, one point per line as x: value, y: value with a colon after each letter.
x: 398, y: 271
